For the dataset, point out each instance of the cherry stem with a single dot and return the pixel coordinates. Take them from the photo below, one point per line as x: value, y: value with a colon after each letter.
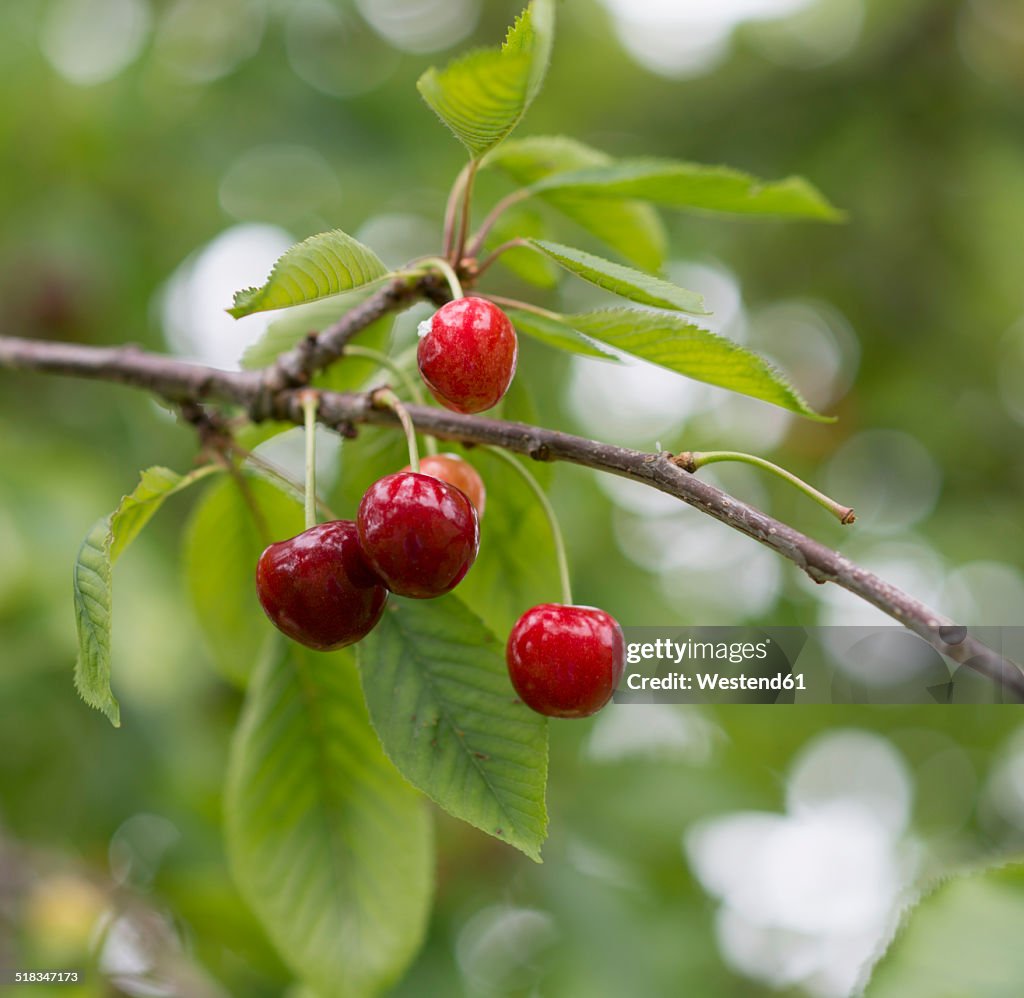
x: 385, y: 398
x: 451, y: 210
x: 449, y: 274
x: 549, y: 512
x: 503, y: 248
x: 692, y: 460
x: 310, y: 401
x: 408, y: 383
x: 476, y: 242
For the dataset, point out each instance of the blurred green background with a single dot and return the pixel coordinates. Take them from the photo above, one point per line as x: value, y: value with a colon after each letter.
x: 158, y: 155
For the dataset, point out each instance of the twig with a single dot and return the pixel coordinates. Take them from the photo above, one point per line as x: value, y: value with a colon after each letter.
x: 180, y: 381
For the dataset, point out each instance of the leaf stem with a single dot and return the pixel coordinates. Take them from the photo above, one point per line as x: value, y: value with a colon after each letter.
x: 467, y: 205
x: 476, y: 242
x: 310, y: 401
x: 449, y: 274
x: 496, y: 253
x: 258, y: 519
x: 407, y: 381
x: 451, y: 211
x: 385, y: 398
x: 692, y: 460
x: 549, y: 512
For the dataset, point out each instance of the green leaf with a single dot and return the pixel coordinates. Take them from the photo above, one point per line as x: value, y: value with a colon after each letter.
x: 222, y: 543
x: 694, y: 352
x: 328, y: 844
x: 624, y: 281
x: 482, y: 96
x: 963, y: 939
x: 440, y: 698
x: 319, y: 267
x: 633, y: 229
x: 285, y: 332
x: 555, y: 333
x: 516, y: 567
x: 692, y: 185
x: 92, y: 585
x: 92, y: 579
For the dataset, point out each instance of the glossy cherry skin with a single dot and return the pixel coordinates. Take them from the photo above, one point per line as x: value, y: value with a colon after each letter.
x: 467, y: 354
x: 419, y: 534
x: 452, y: 469
x: 565, y: 661
x: 318, y: 588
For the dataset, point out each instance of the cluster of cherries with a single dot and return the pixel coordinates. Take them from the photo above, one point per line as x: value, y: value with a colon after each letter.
x: 416, y: 534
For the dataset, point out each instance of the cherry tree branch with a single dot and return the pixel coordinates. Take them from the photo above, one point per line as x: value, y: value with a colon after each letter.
x: 182, y: 382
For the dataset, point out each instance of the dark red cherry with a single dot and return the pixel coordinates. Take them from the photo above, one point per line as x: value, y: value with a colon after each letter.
x: 419, y: 534
x: 318, y: 588
x: 467, y: 354
x: 455, y: 471
x: 565, y: 661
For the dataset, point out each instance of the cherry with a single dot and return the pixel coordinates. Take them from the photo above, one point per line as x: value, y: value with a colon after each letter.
x: 318, y: 589
x: 420, y: 534
x: 565, y: 661
x: 467, y: 354
x: 455, y: 471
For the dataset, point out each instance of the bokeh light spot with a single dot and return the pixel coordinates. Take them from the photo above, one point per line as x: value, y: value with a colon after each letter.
x: 887, y: 477
x: 421, y: 25
x: 193, y: 301
x: 335, y: 51
x: 92, y: 41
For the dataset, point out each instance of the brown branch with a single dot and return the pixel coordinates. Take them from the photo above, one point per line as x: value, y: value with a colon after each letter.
x: 180, y: 382
x: 295, y: 367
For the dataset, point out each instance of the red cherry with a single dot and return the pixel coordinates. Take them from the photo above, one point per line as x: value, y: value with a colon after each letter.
x: 420, y: 534
x: 455, y: 471
x: 467, y: 355
x: 318, y: 589
x: 565, y: 661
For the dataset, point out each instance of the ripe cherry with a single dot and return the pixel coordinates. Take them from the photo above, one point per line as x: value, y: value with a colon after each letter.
x: 455, y: 471
x: 318, y: 589
x: 467, y: 354
x: 419, y: 534
x: 565, y: 661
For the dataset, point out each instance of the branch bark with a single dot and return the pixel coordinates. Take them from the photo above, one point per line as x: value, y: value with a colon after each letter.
x: 182, y: 382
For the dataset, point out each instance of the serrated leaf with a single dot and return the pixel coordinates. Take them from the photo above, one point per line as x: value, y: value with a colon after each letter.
x: 516, y: 566
x: 223, y: 541
x: 331, y: 848
x: 961, y: 939
x: 439, y: 696
x: 557, y: 334
x: 92, y: 579
x: 629, y: 227
x: 323, y: 265
x: 694, y: 186
x: 624, y: 281
x: 483, y: 95
x: 671, y: 342
x: 92, y: 585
